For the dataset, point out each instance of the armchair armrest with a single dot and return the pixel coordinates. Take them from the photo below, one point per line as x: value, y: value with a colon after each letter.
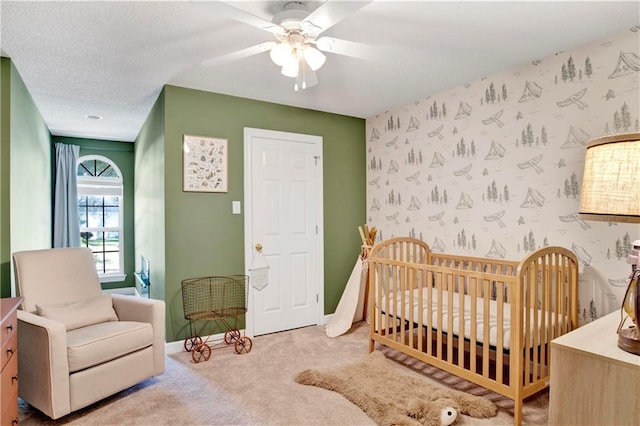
x: 132, y: 308
x: 43, y: 368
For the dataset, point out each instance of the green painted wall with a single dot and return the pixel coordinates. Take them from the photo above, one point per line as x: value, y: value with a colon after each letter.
x: 122, y: 154
x: 149, y: 196
x: 25, y: 220
x: 202, y: 236
x: 5, y: 222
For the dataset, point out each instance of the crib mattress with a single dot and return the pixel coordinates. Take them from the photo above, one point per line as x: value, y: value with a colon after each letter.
x: 412, y: 302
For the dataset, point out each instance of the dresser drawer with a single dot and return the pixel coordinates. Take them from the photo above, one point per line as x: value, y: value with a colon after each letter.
x: 10, y: 417
x: 8, y: 327
x: 9, y: 390
x: 9, y: 349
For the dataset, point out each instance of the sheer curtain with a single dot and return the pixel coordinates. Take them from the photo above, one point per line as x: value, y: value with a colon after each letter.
x: 66, y: 224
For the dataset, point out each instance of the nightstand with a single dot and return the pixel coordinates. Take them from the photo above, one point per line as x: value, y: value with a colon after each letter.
x: 593, y: 382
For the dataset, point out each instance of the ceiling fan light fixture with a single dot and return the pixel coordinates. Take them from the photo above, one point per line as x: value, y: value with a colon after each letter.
x: 291, y: 16
x: 315, y: 59
x: 282, y: 53
x: 291, y: 68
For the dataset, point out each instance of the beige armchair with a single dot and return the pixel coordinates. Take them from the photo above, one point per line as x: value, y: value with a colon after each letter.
x: 77, y: 345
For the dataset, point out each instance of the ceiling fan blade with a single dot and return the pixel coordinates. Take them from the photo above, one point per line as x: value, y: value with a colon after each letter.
x: 248, y: 18
x: 330, y: 13
x: 239, y: 54
x: 352, y: 49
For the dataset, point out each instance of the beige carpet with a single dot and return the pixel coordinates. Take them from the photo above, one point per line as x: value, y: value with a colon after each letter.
x: 259, y: 388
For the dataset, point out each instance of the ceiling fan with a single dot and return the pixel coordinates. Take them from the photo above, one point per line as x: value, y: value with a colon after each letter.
x: 298, y: 48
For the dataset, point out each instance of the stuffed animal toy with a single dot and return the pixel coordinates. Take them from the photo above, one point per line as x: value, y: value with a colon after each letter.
x: 391, y: 397
x: 440, y: 412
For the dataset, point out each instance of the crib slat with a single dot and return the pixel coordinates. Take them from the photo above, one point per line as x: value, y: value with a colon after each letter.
x: 473, y: 340
x: 527, y: 322
x: 421, y: 288
x: 535, y: 327
x: 439, y: 283
x: 486, y: 322
x: 500, y: 339
x: 430, y: 285
x: 450, y: 290
x: 461, y: 319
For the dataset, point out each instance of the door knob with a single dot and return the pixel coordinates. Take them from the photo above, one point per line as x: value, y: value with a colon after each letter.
x: 259, y: 247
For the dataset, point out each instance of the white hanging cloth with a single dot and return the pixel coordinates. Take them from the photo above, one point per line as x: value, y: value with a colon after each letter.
x: 259, y: 271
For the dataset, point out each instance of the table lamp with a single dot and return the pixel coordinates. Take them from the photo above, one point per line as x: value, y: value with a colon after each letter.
x: 611, y: 192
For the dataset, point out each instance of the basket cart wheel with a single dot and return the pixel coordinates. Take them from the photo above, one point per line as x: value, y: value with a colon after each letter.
x: 231, y: 336
x: 191, y: 342
x: 202, y: 352
x: 243, y: 345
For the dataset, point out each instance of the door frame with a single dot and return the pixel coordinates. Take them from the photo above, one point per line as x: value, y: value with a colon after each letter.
x: 317, y: 141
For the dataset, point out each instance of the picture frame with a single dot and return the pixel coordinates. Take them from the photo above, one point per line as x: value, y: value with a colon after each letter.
x: 204, y: 161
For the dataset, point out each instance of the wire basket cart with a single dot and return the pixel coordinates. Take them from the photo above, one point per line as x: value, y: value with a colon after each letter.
x: 215, y: 298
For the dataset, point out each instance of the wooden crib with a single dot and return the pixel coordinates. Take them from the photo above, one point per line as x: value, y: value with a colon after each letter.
x: 526, y: 304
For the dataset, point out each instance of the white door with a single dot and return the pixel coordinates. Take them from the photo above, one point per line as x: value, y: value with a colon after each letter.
x: 283, y: 216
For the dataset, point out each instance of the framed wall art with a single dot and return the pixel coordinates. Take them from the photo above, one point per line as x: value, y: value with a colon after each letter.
x: 204, y: 164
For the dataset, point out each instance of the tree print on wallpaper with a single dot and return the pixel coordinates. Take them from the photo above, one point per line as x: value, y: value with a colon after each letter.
x: 493, y: 168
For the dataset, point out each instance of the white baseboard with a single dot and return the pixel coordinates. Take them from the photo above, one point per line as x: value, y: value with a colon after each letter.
x: 326, y: 319
x: 178, y: 346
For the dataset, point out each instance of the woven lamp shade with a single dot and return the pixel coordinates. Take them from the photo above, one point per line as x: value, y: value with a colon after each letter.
x: 611, y: 181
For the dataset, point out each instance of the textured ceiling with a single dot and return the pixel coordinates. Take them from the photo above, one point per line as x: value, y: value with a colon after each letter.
x: 111, y: 59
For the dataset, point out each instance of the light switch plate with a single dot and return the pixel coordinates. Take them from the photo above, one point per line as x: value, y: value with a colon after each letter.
x: 235, y: 207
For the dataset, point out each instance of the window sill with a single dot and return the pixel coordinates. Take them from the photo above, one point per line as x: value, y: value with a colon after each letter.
x: 112, y: 278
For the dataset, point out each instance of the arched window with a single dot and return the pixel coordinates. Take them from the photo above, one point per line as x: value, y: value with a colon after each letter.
x: 101, y: 214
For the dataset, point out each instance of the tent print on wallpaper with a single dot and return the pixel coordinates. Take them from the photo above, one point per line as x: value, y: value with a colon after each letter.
x: 415, y: 204
x: 414, y: 124
x: 438, y: 160
x: 496, y: 151
x: 497, y: 250
x: 465, y: 202
x: 576, y: 137
x: 464, y: 110
x: 628, y: 62
x: 531, y: 91
x: 375, y: 205
x: 375, y: 135
x: 438, y: 245
x: 534, y: 199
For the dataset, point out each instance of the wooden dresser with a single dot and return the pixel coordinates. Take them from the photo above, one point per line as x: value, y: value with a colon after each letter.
x: 9, y: 361
x: 593, y: 382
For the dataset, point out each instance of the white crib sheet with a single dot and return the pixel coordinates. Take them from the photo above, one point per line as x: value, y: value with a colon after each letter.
x: 455, y: 312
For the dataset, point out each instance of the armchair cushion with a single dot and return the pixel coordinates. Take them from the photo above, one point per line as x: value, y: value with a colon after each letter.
x: 80, y: 313
x: 99, y: 343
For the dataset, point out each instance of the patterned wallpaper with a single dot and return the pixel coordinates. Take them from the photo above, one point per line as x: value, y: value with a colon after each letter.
x: 494, y: 168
